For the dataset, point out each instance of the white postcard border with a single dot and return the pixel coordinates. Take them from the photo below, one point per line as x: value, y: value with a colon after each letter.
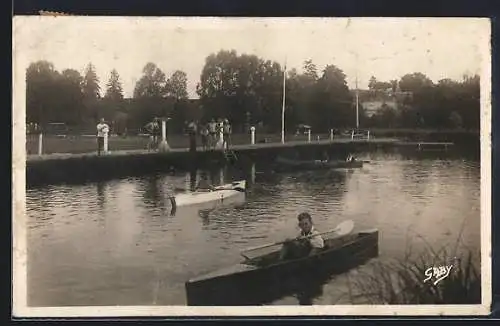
x: 19, y: 288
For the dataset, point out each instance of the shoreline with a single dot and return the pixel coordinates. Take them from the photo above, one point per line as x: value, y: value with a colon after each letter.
x: 87, y: 167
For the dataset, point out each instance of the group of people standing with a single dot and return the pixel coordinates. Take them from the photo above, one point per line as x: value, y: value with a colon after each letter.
x: 210, y: 134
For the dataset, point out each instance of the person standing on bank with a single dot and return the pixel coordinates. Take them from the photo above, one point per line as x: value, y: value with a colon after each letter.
x: 102, y: 132
x: 192, y: 136
x: 153, y: 128
x: 212, y: 129
x: 156, y: 132
x: 220, y: 134
x: 226, y: 128
x: 204, y: 136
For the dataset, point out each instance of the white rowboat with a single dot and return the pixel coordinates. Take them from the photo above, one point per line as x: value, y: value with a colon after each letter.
x: 218, y: 194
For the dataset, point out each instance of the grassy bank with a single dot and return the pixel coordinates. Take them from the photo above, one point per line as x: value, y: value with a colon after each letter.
x: 86, y: 144
x: 402, y: 281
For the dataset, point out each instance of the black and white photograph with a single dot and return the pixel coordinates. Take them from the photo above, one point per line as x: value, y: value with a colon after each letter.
x: 184, y: 166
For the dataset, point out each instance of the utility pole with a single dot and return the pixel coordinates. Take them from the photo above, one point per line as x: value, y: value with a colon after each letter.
x: 357, y: 94
x: 357, y: 102
x: 283, y: 107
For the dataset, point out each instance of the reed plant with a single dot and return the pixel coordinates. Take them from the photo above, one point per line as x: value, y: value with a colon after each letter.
x: 403, y: 280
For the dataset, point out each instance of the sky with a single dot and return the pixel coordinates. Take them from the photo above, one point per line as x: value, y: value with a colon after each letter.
x: 386, y: 48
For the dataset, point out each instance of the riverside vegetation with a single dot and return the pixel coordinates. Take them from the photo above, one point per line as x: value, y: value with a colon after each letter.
x: 247, y: 89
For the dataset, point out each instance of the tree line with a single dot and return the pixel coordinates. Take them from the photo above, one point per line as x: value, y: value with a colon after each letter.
x: 247, y: 90
x: 424, y: 104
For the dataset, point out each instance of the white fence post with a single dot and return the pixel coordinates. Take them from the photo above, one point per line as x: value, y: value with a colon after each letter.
x: 252, y: 135
x: 106, y: 137
x: 331, y: 134
x: 368, y: 136
x: 163, y: 131
x: 40, y: 143
x: 221, y: 176
x: 309, y: 135
x: 163, y: 146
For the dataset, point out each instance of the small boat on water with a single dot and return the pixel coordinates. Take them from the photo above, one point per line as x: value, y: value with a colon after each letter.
x: 217, y: 194
x: 265, y: 278
x: 286, y: 163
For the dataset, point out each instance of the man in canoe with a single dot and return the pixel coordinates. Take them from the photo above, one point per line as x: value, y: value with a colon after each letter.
x: 350, y: 158
x: 309, y: 242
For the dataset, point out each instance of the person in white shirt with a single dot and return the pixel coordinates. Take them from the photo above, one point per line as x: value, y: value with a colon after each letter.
x: 309, y: 242
x: 102, y: 131
x: 350, y: 158
x: 192, y: 130
x: 212, y: 130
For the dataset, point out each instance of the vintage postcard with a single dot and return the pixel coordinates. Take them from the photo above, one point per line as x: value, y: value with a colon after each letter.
x: 168, y: 166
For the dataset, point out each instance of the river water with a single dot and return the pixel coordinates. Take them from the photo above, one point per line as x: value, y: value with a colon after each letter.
x: 119, y: 242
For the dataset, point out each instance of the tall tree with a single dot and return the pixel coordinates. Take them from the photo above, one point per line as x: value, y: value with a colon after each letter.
x: 114, y: 90
x: 395, y: 85
x: 176, y: 88
x: 176, y: 85
x: 151, y: 84
x: 41, y: 91
x: 310, y: 70
x: 70, y: 103
x: 90, y: 85
x: 301, y: 90
x: 241, y: 88
x: 421, y: 106
x: 333, y: 105
x: 372, y: 82
x: 150, y: 98
x: 414, y: 82
x: 91, y: 92
x: 218, y: 83
x: 470, y: 103
x: 268, y: 88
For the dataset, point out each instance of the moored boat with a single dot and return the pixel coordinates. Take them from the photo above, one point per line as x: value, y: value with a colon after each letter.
x: 217, y: 194
x: 286, y: 163
x: 265, y: 278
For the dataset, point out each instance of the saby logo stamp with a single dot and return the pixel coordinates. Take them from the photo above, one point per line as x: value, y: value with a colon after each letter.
x: 438, y: 273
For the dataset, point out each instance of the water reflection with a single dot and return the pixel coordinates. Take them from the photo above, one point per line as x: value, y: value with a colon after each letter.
x: 308, y: 291
x: 121, y: 242
x: 101, y: 194
x: 220, y: 209
x: 205, y: 216
x: 193, y: 182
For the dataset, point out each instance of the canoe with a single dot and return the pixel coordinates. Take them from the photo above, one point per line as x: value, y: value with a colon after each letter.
x: 219, y: 194
x: 283, y: 162
x: 265, y: 278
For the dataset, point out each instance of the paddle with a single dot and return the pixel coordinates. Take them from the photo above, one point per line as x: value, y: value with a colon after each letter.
x: 343, y: 228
